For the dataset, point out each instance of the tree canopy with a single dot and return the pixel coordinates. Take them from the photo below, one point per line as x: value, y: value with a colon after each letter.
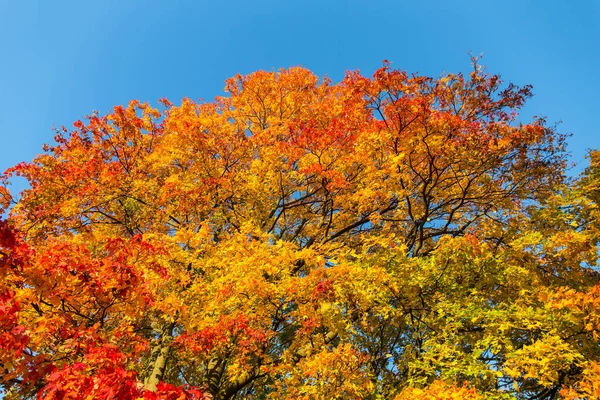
x: 392, y: 237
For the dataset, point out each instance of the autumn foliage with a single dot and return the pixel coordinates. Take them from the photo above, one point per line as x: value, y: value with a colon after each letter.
x: 393, y: 237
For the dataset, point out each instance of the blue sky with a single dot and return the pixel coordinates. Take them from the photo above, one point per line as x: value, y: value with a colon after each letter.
x: 62, y: 59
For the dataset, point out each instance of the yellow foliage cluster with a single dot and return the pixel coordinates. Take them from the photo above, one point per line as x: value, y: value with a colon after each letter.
x: 387, y: 237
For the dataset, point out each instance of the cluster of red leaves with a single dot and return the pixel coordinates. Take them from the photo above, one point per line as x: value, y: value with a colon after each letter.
x: 234, y: 328
x: 323, y: 289
x: 13, y: 337
x: 99, y: 369
x: 102, y: 375
x: 132, y: 220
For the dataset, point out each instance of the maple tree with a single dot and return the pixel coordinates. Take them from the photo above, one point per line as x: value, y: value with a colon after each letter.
x: 389, y: 237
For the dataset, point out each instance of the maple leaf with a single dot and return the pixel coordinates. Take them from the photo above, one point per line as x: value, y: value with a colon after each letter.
x: 394, y: 236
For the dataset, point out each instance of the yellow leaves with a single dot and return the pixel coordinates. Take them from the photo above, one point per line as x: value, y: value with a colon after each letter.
x: 304, y: 239
x: 440, y: 390
x: 326, y: 373
x: 527, y: 240
x: 543, y: 360
x: 204, y: 233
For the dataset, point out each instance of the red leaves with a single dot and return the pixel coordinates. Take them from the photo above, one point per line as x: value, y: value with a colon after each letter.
x: 250, y: 242
x: 202, y: 342
x: 102, y: 375
x: 73, y: 382
x: 79, y: 125
x: 13, y: 337
x: 324, y: 289
x: 341, y: 132
x: 165, y: 102
x: 235, y: 329
x: 7, y: 236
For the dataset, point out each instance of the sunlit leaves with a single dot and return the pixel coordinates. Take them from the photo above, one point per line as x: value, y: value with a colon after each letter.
x: 398, y: 236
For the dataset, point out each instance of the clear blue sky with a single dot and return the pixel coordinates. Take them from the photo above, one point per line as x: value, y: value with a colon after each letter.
x: 60, y: 60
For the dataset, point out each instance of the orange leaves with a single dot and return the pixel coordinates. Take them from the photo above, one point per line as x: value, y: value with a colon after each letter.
x: 588, y: 387
x: 394, y: 235
x: 71, y: 272
x: 309, y: 135
x: 76, y: 296
x: 5, y: 198
x: 582, y: 306
x: 268, y: 98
